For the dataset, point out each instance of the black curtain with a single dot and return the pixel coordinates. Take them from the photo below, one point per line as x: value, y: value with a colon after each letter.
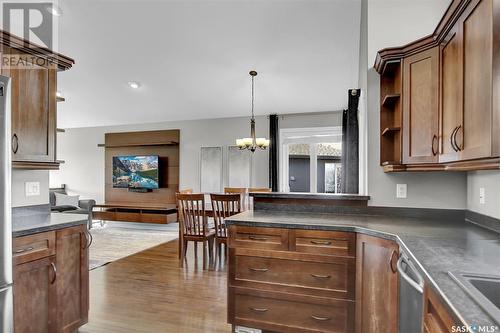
x: 273, y: 152
x: 350, y: 145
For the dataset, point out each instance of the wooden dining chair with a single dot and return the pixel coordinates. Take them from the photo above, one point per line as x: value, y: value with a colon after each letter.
x: 194, y: 225
x: 185, y: 191
x: 242, y: 191
x: 223, y: 206
x: 259, y: 190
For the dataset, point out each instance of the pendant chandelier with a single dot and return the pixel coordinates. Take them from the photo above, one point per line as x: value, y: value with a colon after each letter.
x: 252, y: 143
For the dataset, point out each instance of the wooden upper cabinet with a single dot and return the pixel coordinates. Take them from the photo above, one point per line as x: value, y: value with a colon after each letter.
x: 73, y: 280
x: 450, y: 90
x: 420, y: 107
x: 33, y: 110
x: 33, y: 72
x: 451, y: 94
x: 377, y: 285
x: 473, y: 138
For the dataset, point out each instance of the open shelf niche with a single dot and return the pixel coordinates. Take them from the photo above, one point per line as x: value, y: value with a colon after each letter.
x: 390, y: 114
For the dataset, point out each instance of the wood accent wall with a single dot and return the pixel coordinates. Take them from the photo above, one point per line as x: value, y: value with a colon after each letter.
x: 163, y: 143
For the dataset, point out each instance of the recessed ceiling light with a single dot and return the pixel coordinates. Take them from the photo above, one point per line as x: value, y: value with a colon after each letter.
x: 134, y: 84
x: 54, y: 10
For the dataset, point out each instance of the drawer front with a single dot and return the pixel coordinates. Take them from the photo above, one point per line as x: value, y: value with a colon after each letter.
x: 258, y: 238
x: 293, y: 316
x: 333, y: 279
x: 103, y: 215
x: 33, y: 247
x: 128, y: 217
x: 324, y: 242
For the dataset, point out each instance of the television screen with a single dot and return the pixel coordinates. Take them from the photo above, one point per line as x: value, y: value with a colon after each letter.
x: 135, y: 172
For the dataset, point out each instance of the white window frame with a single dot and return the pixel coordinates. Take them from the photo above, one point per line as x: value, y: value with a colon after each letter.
x: 311, y: 136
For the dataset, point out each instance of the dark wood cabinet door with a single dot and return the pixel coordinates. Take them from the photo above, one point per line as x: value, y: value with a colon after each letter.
x: 420, y: 107
x: 35, y: 296
x: 33, y: 108
x: 474, y: 136
x: 451, y: 94
x: 73, y: 281
x: 376, y: 285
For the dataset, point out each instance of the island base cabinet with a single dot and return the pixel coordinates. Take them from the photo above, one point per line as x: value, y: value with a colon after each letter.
x: 51, y: 281
x: 377, y: 285
x: 35, y: 296
x: 73, y: 282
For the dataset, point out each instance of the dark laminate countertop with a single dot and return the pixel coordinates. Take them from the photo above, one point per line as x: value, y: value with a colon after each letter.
x: 436, y: 246
x: 315, y: 196
x: 36, y: 223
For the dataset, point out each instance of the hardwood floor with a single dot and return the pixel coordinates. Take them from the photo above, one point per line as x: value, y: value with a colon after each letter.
x: 148, y: 292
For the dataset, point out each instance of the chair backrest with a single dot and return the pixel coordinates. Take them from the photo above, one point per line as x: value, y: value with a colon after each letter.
x: 232, y: 190
x: 242, y: 191
x: 223, y: 206
x: 259, y: 189
x: 186, y: 191
x: 193, y: 218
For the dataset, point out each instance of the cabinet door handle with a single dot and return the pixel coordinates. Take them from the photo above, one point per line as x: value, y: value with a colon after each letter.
x: 258, y: 269
x: 24, y: 250
x: 54, y: 269
x: 259, y: 309
x: 86, y: 241
x: 452, y: 139
x: 391, y: 261
x: 459, y: 148
x: 319, y: 242
x: 434, y: 139
x: 317, y: 276
x: 255, y: 238
x: 91, y: 239
x: 321, y: 318
x: 15, y: 143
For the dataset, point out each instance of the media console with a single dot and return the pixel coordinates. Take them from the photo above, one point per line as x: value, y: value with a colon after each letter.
x: 145, y: 213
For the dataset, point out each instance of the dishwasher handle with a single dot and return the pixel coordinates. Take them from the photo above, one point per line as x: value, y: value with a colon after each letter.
x: 419, y: 286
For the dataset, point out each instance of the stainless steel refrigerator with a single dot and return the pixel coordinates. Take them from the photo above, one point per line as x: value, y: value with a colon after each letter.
x: 6, y: 301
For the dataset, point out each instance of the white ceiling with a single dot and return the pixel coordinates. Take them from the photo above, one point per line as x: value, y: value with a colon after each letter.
x: 193, y: 57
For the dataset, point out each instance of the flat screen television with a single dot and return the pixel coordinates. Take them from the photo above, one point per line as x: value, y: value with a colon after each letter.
x: 139, y: 172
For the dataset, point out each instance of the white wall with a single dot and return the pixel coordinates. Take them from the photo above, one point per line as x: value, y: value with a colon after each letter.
x: 19, y: 178
x: 83, y: 171
x: 395, y: 23
x: 490, y: 181
x: 324, y: 119
x: 398, y: 22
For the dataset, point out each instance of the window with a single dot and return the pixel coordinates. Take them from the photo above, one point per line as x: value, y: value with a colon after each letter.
x: 310, y: 160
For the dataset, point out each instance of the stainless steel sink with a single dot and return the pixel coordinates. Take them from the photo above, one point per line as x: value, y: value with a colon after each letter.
x: 483, y: 288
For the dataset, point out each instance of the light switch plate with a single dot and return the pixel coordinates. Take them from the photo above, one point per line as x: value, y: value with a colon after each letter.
x: 401, y: 191
x: 482, y: 196
x: 32, y: 189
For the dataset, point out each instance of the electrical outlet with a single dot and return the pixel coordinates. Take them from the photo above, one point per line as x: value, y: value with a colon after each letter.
x: 482, y: 196
x: 32, y: 189
x: 401, y: 191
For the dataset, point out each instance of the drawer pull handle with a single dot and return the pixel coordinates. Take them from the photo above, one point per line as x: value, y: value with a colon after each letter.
x: 54, y: 269
x: 317, y: 276
x: 255, y: 238
x: 259, y: 269
x: 321, y: 318
x: 259, y: 309
x: 318, y: 242
x: 24, y: 250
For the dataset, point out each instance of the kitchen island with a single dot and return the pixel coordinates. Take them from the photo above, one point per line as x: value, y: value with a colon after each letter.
x: 434, y: 246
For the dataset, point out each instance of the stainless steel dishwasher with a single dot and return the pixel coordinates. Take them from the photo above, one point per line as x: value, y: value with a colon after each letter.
x: 411, y: 298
